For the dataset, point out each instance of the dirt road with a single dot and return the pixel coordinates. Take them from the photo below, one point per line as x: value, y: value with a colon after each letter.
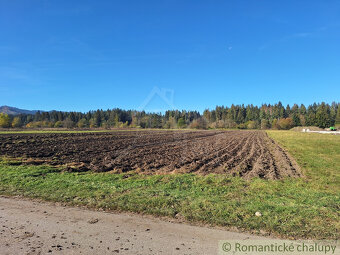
x: 31, y: 227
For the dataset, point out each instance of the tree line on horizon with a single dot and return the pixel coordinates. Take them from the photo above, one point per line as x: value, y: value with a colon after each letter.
x: 266, y: 116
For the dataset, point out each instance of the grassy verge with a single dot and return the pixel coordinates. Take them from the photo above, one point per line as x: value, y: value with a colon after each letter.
x: 295, y: 208
x: 52, y: 131
x: 317, y: 154
x: 46, y: 131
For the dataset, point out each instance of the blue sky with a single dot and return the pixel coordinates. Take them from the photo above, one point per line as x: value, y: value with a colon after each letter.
x: 84, y: 55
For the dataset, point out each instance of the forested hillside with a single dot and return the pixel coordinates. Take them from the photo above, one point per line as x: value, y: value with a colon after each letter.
x: 236, y: 116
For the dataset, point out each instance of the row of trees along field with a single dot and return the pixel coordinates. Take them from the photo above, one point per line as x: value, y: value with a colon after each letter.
x: 236, y: 116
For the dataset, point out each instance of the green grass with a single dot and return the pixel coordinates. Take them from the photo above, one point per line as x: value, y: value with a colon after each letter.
x: 317, y: 154
x: 293, y: 208
x: 47, y: 131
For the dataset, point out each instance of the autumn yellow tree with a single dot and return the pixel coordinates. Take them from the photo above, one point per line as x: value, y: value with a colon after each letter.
x: 5, y: 121
x: 16, y: 123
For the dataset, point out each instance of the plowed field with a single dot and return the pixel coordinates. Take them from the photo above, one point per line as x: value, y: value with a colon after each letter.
x: 244, y: 153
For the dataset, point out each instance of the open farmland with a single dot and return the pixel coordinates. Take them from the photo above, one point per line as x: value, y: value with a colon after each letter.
x: 303, y: 207
x: 243, y: 153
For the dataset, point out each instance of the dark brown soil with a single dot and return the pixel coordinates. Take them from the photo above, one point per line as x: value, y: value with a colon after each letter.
x: 245, y: 153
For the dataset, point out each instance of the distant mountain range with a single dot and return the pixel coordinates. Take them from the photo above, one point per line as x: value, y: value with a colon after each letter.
x: 15, y: 111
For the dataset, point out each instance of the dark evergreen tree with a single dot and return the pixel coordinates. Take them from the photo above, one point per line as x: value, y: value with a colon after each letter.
x: 337, y: 118
x: 322, y: 116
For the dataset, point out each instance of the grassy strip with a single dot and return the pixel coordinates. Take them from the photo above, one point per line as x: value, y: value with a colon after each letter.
x: 32, y: 131
x: 70, y: 131
x: 293, y: 208
x: 317, y: 154
x: 47, y: 131
x: 290, y: 208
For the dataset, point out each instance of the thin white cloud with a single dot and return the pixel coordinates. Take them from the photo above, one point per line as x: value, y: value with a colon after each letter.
x: 292, y: 36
